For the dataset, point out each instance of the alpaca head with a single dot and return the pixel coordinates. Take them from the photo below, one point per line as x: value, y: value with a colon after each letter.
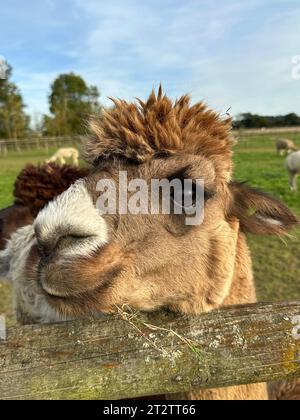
x: 34, y: 188
x: 82, y: 261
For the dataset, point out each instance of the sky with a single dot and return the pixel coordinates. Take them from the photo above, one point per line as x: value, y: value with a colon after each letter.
x: 232, y: 54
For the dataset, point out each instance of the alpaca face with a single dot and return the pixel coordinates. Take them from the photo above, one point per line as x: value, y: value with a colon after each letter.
x: 86, y: 262
x: 82, y: 261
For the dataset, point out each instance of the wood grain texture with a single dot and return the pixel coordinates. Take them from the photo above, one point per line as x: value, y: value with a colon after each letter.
x: 109, y: 358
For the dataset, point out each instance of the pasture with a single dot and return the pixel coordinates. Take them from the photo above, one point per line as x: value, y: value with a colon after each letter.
x: 276, y: 262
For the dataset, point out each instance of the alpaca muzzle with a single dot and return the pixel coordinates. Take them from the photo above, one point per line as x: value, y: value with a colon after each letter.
x: 69, y: 233
x: 68, y: 278
x: 70, y: 225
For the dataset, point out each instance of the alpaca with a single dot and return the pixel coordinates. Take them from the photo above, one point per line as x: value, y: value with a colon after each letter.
x: 35, y: 186
x: 65, y: 153
x: 75, y: 261
x: 292, y: 165
x: 285, y: 146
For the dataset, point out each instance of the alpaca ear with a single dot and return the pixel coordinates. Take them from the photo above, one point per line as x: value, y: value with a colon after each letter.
x: 5, y: 258
x: 260, y: 213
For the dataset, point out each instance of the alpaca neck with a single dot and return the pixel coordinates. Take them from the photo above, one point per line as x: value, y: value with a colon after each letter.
x: 242, y: 289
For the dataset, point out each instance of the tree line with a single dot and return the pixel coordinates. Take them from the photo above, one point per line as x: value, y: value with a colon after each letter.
x: 248, y: 120
x: 71, y: 102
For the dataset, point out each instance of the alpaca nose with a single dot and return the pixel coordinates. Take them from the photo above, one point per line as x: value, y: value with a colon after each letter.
x: 70, y: 225
x: 45, y: 247
x: 60, y: 240
x: 69, y: 240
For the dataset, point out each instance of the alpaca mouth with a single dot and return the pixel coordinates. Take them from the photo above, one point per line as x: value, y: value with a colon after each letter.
x: 69, y: 294
x: 60, y: 278
x: 51, y: 292
x: 50, y: 289
x: 54, y: 293
x: 55, y: 296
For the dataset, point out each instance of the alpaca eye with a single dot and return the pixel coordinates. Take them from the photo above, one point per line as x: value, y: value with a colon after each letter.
x: 190, y: 195
x: 187, y: 196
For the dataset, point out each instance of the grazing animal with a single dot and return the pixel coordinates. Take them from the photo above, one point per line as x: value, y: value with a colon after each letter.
x: 285, y: 146
x: 65, y: 153
x: 35, y: 186
x: 75, y: 261
x: 292, y: 165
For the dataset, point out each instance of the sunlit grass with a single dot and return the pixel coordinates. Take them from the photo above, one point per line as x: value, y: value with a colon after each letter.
x: 276, y: 263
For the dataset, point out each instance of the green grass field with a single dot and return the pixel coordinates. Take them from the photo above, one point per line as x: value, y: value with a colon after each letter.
x: 11, y: 165
x: 276, y: 262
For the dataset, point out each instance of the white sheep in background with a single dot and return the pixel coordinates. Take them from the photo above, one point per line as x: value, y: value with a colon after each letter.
x: 285, y: 146
x: 65, y: 153
x: 292, y: 164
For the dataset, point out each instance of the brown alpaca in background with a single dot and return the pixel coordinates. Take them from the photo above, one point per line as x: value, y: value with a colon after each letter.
x: 76, y: 262
x: 35, y: 186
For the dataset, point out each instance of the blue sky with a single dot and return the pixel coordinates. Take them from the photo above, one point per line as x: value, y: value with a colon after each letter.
x: 230, y: 53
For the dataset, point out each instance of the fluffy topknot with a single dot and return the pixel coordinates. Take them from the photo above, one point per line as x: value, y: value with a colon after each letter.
x: 37, y: 185
x: 159, y: 127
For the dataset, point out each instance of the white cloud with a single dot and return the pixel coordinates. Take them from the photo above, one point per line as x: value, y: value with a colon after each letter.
x: 133, y: 45
x: 35, y: 88
x: 232, y: 54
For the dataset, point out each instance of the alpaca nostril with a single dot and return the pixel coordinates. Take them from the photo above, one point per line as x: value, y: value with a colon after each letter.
x: 45, y: 249
x: 46, y: 245
x: 51, y: 245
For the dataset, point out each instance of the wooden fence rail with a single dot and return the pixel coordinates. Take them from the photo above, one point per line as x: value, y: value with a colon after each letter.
x: 20, y: 145
x: 277, y: 131
x: 113, y: 358
x: 37, y: 143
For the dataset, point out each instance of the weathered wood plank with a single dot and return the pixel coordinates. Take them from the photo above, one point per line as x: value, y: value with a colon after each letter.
x: 109, y: 358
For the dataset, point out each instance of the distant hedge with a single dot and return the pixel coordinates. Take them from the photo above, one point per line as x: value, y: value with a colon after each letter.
x: 248, y: 120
